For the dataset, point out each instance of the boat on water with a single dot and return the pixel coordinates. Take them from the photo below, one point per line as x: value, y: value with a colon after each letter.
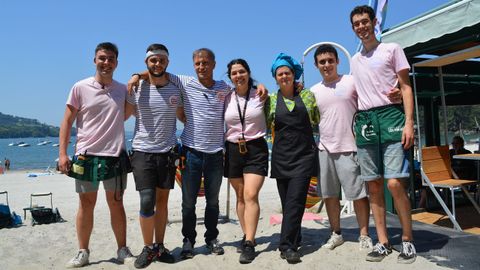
x: 55, y: 145
x: 23, y: 145
x: 44, y: 142
x: 15, y: 143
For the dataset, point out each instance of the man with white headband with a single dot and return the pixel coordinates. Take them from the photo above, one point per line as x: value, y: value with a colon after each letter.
x: 154, y: 148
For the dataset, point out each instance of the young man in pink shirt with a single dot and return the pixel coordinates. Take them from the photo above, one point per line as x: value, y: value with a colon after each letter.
x: 97, y: 105
x: 384, y: 129
x: 336, y: 99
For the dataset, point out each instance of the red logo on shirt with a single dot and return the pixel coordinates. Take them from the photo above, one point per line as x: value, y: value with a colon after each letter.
x: 173, y: 101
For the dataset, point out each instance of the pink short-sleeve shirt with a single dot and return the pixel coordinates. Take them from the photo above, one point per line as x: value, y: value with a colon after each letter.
x: 375, y: 74
x: 337, y: 104
x: 255, y: 125
x: 100, y: 117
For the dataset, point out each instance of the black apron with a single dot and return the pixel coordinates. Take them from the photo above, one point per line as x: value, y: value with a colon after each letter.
x: 293, y: 150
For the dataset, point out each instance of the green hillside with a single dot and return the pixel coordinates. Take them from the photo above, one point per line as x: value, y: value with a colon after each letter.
x: 19, y: 127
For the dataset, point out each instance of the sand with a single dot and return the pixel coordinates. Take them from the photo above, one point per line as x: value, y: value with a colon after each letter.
x: 51, y: 246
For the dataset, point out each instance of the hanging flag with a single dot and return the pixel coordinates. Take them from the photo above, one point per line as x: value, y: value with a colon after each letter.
x: 380, y: 7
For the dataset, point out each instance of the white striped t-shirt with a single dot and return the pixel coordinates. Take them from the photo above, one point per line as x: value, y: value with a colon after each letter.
x: 204, y: 126
x: 155, y: 123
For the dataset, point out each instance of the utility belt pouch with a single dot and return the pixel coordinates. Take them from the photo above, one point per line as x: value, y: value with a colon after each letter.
x: 173, y: 161
x: 379, y: 125
x: 125, y: 166
x: 99, y: 168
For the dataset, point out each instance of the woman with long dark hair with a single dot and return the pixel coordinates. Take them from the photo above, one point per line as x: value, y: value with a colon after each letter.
x: 246, y: 158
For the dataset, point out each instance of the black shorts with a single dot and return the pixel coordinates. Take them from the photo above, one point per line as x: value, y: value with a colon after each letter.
x: 254, y: 161
x: 150, y: 170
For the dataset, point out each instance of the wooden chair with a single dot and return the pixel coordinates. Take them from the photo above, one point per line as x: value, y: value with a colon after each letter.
x: 437, y: 172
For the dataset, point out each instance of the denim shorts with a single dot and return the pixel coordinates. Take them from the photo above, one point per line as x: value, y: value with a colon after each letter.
x: 390, y: 161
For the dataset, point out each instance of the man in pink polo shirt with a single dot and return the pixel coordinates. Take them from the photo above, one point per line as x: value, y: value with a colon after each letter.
x: 97, y: 105
x: 384, y: 129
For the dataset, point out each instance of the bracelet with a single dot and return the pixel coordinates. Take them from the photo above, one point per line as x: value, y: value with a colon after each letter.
x: 137, y: 74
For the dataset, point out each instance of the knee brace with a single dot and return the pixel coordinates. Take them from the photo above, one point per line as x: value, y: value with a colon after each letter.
x: 147, y: 202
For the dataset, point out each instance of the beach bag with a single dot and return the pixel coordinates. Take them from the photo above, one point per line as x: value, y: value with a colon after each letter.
x: 5, y: 216
x: 8, y: 219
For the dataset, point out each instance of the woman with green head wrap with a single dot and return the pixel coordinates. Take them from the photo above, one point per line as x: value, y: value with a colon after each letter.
x: 291, y: 115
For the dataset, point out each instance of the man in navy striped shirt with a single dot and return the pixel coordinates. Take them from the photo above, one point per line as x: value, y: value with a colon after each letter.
x: 202, y: 140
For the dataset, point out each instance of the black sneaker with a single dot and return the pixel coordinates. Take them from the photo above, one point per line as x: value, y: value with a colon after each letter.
x: 145, y: 258
x: 408, y: 253
x: 215, y: 248
x: 248, y: 253
x: 290, y: 255
x: 187, y: 250
x: 379, y: 252
x: 163, y: 254
x: 242, y: 245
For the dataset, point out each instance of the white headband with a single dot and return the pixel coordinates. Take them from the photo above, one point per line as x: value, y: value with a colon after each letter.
x: 156, y: 52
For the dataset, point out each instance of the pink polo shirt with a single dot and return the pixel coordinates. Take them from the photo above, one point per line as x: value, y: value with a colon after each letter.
x: 255, y: 125
x: 100, y: 117
x: 337, y: 104
x: 375, y: 74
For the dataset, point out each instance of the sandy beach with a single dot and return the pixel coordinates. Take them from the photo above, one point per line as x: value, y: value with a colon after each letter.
x: 51, y: 246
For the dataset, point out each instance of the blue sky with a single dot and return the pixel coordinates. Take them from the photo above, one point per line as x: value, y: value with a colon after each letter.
x: 49, y: 45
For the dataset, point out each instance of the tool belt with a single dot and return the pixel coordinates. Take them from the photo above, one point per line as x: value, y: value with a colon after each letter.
x: 379, y: 125
x: 98, y: 168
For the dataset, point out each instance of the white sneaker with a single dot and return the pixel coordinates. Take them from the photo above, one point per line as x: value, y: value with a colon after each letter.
x: 124, y: 255
x: 334, y: 241
x: 80, y: 260
x: 365, y: 242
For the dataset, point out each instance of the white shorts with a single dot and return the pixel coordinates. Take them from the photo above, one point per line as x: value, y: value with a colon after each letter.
x: 340, y: 170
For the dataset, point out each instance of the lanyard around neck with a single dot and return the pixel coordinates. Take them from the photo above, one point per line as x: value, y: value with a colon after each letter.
x: 242, y: 116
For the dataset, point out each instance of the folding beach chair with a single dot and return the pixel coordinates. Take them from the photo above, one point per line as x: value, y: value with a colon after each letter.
x: 437, y: 172
x: 42, y: 214
x: 8, y: 219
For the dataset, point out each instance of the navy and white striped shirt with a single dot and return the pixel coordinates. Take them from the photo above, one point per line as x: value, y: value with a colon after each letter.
x: 204, y: 126
x: 155, y: 123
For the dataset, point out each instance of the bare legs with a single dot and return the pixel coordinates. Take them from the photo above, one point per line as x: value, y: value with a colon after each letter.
x: 156, y: 224
x: 84, y: 220
x: 248, y: 208
x: 362, y: 211
x: 402, y: 205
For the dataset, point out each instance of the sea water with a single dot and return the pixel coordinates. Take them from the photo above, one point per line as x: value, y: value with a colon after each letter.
x: 37, y: 157
x: 42, y: 157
